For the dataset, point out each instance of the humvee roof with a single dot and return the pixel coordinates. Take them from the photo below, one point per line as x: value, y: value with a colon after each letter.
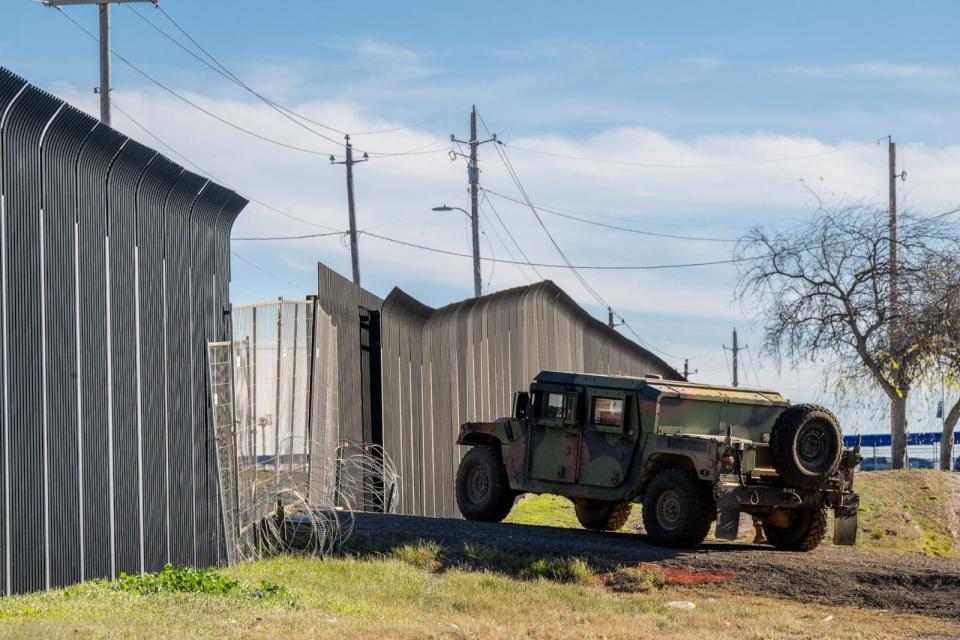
x: 670, y: 388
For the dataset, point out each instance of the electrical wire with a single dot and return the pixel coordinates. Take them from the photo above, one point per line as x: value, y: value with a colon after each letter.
x: 213, y: 177
x: 301, y: 237
x: 547, y: 265
x: 717, y: 165
x: 628, y: 218
x: 586, y: 285
x: 493, y: 227
x: 222, y: 70
x: 557, y: 212
x: 261, y: 269
x: 506, y: 230
x: 193, y: 104
x: 516, y: 180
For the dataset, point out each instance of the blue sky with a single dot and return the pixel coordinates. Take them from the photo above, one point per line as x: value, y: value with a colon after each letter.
x: 710, y: 86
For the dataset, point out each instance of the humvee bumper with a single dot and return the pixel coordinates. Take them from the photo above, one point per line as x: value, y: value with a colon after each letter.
x: 734, y: 499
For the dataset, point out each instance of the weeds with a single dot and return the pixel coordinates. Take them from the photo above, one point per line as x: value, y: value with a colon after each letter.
x: 423, y: 554
x: 567, y: 570
x: 635, y: 580
x: 187, y: 580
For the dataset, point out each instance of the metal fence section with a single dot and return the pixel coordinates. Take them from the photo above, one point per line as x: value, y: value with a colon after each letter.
x: 277, y: 422
x: 114, y: 264
x: 923, y: 450
x: 463, y: 362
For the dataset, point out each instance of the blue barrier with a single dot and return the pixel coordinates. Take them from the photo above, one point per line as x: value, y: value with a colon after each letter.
x: 883, y: 439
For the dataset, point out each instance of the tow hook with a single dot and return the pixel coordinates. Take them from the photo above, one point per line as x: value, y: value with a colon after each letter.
x: 792, y: 496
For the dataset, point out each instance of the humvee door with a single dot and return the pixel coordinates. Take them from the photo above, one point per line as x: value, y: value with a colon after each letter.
x: 611, y: 430
x: 554, y: 446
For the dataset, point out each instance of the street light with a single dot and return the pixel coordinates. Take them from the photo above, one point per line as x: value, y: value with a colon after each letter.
x: 475, y: 226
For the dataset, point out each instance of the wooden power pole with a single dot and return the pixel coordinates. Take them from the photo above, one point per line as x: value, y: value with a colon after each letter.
x: 735, y: 350
x: 349, y: 161
x: 898, y: 406
x: 473, y: 177
x: 105, y: 73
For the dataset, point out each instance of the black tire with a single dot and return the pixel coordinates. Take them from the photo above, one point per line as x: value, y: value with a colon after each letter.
x: 806, y: 444
x: 483, y: 490
x: 678, y: 509
x: 602, y: 515
x: 806, y: 530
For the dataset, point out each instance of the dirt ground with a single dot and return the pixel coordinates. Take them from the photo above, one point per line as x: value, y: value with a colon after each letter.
x: 895, y: 582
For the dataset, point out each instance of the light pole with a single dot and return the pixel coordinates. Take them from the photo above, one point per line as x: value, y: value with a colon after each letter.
x: 475, y: 227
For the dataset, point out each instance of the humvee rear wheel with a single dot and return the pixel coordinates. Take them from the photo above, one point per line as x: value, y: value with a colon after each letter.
x: 677, y: 509
x: 602, y: 515
x: 805, y: 531
x: 806, y: 444
x: 483, y: 490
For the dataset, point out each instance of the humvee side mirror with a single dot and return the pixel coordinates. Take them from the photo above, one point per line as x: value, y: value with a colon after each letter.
x: 521, y: 405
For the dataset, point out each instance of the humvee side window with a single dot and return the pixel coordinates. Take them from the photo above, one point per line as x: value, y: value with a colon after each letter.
x: 560, y: 405
x: 607, y: 412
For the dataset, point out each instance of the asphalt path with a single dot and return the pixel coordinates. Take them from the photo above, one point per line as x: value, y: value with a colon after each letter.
x: 830, y: 575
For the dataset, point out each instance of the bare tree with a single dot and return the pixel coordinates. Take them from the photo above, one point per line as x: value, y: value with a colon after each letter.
x: 937, y: 322
x: 823, y: 290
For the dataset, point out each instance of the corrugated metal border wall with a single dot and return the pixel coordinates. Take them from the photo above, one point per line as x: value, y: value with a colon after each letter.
x: 344, y: 302
x: 442, y: 367
x: 115, y: 272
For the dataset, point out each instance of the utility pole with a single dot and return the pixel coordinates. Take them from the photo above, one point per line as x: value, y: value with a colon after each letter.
x: 898, y: 407
x: 612, y: 319
x: 736, y: 349
x: 105, y: 75
x: 473, y: 177
x: 351, y: 206
x: 686, y: 369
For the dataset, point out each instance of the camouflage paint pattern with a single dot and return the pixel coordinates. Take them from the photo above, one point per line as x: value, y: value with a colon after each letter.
x: 664, y: 423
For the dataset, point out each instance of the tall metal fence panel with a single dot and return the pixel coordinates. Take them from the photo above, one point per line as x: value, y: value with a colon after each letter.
x: 350, y: 308
x: 275, y: 392
x: 463, y: 362
x: 114, y: 264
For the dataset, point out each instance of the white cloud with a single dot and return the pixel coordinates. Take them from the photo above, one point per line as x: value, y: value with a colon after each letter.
x: 709, y: 185
x: 878, y: 69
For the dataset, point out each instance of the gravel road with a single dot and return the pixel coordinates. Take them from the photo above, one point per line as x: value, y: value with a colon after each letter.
x: 832, y: 575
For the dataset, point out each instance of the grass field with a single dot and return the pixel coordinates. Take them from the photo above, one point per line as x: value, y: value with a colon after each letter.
x: 415, y: 591
x: 910, y: 511
x: 412, y: 593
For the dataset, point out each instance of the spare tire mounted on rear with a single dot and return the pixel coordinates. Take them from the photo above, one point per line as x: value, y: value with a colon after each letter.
x: 806, y: 444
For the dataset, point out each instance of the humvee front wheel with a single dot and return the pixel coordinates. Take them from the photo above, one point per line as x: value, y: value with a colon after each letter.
x: 677, y: 509
x: 805, y: 531
x: 483, y: 490
x: 602, y: 515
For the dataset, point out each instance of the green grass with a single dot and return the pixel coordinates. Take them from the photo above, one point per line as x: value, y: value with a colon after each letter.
x: 910, y: 511
x: 556, y: 511
x: 394, y: 595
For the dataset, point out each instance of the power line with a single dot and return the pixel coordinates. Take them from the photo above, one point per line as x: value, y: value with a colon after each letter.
x: 301, y: 237
x: 219, y: 68
x: 557, y: 212
x: 627, y: 218
x: 586, y: 285
x: 261, y: 269
x: 493, y: 227
x: 717, y: 165
x: 506, y: 230
x: 222, y: 120
x: 196, y: 106
x: 516, y: 180
x: 548, y: 265
x: 212, y: 176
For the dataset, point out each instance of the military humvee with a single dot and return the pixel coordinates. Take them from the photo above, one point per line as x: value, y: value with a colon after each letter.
x: 690, y: 453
